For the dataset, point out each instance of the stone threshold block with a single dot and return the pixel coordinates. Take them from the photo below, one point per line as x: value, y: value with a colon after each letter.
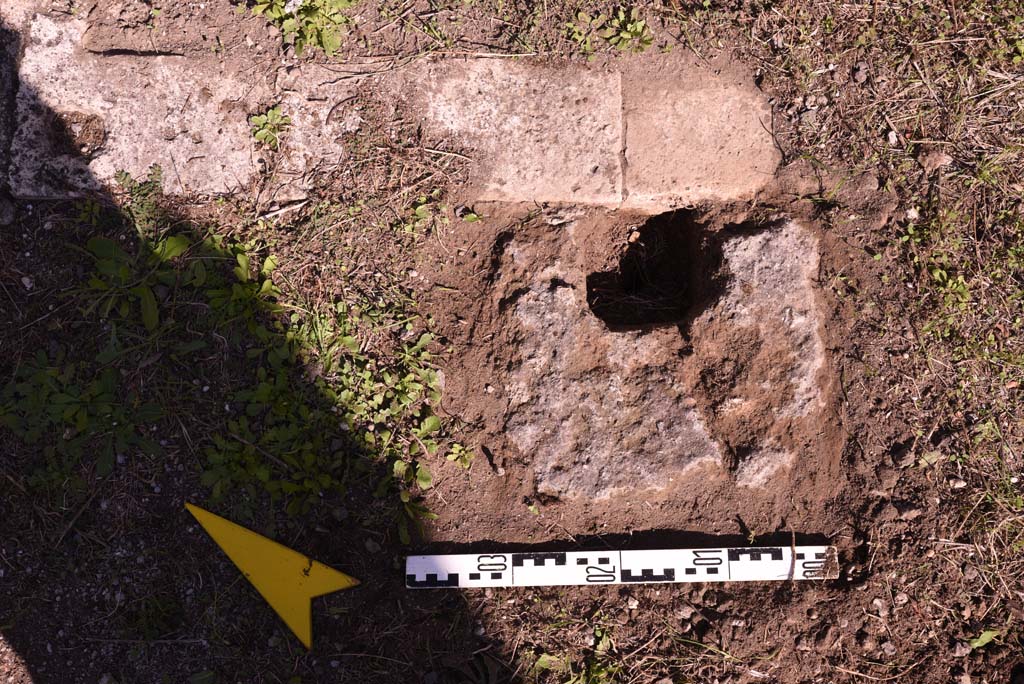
x: 82, y: 117
x: 650, y: 133
x: 538, y: 133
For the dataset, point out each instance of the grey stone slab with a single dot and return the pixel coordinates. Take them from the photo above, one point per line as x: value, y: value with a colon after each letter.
x: 539, y: 133
x: 695, y: 135
x: 599, y: 413
x: 83, y: 117
x: 602, y: 413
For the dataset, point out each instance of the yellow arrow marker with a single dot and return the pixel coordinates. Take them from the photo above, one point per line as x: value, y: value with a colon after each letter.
x: 287, y: 579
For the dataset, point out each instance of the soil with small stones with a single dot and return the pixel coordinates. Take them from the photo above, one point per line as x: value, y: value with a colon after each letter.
x: 75, y: 584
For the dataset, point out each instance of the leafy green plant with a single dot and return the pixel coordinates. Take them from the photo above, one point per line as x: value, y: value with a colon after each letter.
x: 627, y: 30
x: 312, y: 24
x: 983, y: 639
x: 584, y: 28
x: 596, y: 668
x: 624, y: 29
x: 74, y: 411
x: 422, y: 213
x: 460, y: 455
x: 122, y: 281
x: 268, y: 127
x: 142, y: 206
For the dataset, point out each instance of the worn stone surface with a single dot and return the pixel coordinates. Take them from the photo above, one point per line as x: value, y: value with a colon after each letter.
x: 538, y: 133
x: 114, y: 88
x: 599, y: 413
x: 662, y: 133
x: 82, y: 117
x: 104, y: 92
x: 772, y: 286
x: 14, y: 15
x: 315, y: 99
x: 695, y: 135
x: 764, y: 367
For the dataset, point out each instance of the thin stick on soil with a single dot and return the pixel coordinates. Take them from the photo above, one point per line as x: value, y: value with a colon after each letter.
x: 878, y: 679
x: 81, y: 509
x: 372, y: 656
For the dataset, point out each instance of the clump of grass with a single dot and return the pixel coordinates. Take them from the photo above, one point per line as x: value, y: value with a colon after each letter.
x: 268, y: 127
x: 317, y: 24
x: 266, y: 428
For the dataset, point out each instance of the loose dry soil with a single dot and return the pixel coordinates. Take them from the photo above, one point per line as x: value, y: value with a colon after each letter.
x: 652, y: 337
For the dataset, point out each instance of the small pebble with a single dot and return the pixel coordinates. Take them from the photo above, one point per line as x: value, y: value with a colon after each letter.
x: 860, y: 72
x: 911, y: 513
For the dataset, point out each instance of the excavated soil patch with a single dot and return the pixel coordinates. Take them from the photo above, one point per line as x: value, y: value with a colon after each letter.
x: 635, y: 372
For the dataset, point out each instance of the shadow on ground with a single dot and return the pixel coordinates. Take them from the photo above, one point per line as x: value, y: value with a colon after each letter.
x: 147, y: 364
x: 133, y: 333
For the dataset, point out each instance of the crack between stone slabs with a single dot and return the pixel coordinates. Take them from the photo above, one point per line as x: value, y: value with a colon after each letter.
x: 623, y: 130
x: 128, y: 52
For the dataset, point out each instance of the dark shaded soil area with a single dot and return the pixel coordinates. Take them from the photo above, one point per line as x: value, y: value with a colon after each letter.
x: 911, y: 466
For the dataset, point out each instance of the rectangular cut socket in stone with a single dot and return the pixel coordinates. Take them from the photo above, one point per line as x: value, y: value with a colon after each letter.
x: 81, y: 118
x: 695, y: 137
x: 540, y: 133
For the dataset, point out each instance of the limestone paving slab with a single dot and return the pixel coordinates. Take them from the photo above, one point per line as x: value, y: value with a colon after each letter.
x: 694, y: 137
x: 81, y: 118
x: 539, y: 133
x: 649, y: 135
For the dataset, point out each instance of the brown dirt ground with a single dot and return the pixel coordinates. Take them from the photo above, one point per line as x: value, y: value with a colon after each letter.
x: 902, y: 610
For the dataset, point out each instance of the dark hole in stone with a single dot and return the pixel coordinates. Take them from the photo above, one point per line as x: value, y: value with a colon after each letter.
x: 668, y: 273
